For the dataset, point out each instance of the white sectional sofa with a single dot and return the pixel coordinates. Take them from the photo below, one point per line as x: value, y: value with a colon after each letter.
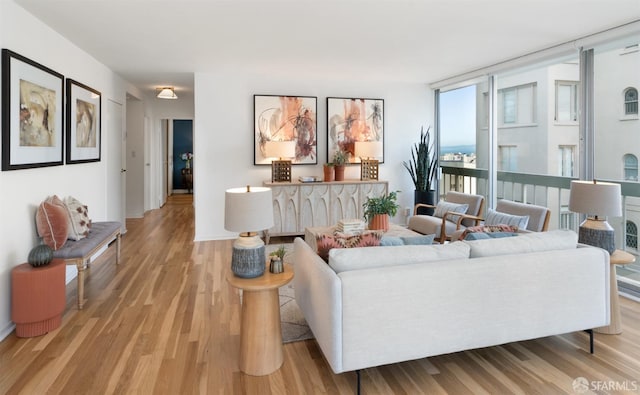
x: 380, y: 305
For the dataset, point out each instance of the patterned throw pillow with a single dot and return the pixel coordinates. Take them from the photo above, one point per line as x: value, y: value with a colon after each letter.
x: 326, y: 242
x: 443, y: 207
x: 79, y: 222
x: 498, y: 218
x: 52, y: 222
x: 502, y: 228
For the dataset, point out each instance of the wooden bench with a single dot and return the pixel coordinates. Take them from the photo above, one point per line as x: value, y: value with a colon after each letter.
x: 79, y: 252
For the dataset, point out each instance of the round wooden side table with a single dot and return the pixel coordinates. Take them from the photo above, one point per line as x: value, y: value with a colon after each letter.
x: 260, y: 334
x: 618, y: 257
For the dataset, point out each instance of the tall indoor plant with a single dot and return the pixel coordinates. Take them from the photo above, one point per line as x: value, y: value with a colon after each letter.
x: 377, y: 210
x: 422, y: 168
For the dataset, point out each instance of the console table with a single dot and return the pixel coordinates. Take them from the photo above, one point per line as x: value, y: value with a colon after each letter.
x: 298, y: 205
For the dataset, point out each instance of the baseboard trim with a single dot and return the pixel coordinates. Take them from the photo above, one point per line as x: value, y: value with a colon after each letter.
x: 7, y: 330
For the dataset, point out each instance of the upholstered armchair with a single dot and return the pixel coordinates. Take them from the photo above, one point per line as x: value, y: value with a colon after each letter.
x: 447, y: 219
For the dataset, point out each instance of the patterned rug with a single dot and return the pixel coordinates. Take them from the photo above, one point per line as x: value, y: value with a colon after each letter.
x: 294, y: 326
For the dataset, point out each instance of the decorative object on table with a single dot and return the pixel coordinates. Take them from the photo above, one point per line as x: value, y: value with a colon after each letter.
x: 423, y: 169
x: 40, y: 255
x: 187, y: 157
x: 350, y: 226
x: 285, y: 118
x: 597, y: 200
x: 248, y: 211
x: 328, y: 170
x: 32, y: 113
x: 368, y: 152
x: 353, y: 119
x: 283, y: 151
x: 83, y: 123
x: 277, y: 260
x: 377, y: 210
x: 340, y: 158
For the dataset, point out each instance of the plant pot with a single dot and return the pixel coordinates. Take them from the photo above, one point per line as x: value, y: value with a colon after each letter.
x: 426, y: 197
x: 339, y: 170
x: 379, y: 222
x: 328, y: 173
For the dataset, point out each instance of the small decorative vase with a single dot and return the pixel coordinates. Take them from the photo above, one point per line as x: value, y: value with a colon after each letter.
x: 379, y: 222
x: 328, y: 173
x: 339, y: 170
x: 188, y: 164
x: 276, y: 265
x: 40, y: 255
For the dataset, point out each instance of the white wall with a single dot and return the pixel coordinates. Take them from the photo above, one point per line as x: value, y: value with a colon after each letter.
x: 23, y: 190
x: 223, y: 134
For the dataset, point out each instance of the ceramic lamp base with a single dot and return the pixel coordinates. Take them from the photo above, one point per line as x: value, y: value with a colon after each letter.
x: 597, y: 233
x: 248, y: 259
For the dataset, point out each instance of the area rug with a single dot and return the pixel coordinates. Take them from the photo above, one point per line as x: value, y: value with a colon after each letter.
x: 294, y: 326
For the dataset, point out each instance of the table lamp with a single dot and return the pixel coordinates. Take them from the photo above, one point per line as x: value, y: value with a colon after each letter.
x: 368, y: 151
x: 281, y: 167
x: 247, y: 211
x: 597, y: 200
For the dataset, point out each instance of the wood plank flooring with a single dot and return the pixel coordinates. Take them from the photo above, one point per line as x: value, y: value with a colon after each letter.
x: 166, y: 322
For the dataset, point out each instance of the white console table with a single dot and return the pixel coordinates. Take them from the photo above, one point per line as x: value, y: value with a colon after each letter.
x: 298, y: 205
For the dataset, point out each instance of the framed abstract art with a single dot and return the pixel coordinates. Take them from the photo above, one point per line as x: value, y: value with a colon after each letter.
x: 285, y: 119
x: 32, y: 113
x: 83, y: 123
x: 351, y: 120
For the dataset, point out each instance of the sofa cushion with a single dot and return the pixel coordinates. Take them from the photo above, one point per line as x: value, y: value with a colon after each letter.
x: 525, y: 243
x: 497, y: 218
x: 342, y: 260
x: 444, y: 207
x: 327, y: 242
x: 52, y: 222
x: 79, y: 221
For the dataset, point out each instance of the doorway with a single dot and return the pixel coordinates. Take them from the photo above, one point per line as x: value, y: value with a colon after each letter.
x: 183, y: 169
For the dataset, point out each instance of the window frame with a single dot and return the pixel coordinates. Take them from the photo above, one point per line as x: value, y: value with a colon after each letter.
x: 574, y: 87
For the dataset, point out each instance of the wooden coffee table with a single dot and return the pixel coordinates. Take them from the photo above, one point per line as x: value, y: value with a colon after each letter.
x: 260, y: 333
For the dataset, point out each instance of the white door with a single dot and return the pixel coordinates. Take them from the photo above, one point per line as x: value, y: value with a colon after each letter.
x: 116, y: 176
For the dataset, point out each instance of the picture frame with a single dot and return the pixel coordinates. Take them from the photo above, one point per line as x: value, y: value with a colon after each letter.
x: 84, y: 116
x: 32, y: 113
x: 285, y: 118
x: 350, y: 120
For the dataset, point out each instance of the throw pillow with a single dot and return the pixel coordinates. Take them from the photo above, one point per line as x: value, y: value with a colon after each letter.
x: 389, y: 241
x: 52, y: 223
x: 491, y: 235
x: 443, y: 207
x: 78, y: 217
x: 496, y: 218
x: 418, y: 240
x: 326, y: 242
x: 502, y: 228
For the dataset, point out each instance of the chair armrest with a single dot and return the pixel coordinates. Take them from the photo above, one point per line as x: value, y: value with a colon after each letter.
x: 473, y: 217
x: 461, y: 217
x: 415, y: 208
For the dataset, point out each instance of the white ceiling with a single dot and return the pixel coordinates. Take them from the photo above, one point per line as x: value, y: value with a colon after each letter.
x: 162, y: 42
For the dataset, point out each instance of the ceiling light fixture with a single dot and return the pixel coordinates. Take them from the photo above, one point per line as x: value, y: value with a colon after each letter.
x: 166, y: 93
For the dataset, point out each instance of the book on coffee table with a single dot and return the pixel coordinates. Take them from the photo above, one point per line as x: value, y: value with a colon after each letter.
x: 350, y: 226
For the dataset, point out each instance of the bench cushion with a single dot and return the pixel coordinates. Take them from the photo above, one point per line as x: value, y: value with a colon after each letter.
x: 100, y: 231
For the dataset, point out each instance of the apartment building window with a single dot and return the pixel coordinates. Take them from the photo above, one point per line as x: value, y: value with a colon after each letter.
x: 517, y: 104
x: 567, y: 160
x: 630, y: 167
x: 632, y: 235
x: 507, y: 158
x: 631, y: 101
x: 566, y: 101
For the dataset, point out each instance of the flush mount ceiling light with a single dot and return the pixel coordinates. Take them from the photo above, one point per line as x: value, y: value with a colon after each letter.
x: 166, y: 93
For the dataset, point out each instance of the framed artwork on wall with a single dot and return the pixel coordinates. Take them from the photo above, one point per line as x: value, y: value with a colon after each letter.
x: 285, y: 119
x: 32, y: 115
x: 83, y: 123
x: 351, y: 120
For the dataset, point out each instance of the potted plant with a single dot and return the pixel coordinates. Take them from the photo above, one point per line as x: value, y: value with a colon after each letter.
x: 423, y: 169
x: 340, y: 157
x: 277, y: 258
x: 377, y: 210
x: 328, y: 172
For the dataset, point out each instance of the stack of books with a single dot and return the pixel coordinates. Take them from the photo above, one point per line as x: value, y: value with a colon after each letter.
x: 350, y: 226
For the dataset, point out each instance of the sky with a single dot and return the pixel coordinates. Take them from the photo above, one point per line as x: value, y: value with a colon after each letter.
x: 458, y: 117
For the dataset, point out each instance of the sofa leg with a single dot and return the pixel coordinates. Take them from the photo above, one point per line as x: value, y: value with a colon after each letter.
x: 590, y: 332
x: 358, y: 381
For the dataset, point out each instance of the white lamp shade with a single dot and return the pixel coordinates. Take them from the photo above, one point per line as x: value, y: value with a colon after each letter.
x: 167, y: 93
x: 598, y: 199
x: 280, y: 149
x: 368, y: 149
x: 248, y: 211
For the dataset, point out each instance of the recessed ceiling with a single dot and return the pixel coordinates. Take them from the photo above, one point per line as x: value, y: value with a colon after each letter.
x: 154, y: 43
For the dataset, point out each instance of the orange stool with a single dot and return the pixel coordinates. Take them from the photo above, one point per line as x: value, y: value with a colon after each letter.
x: 38, y: 297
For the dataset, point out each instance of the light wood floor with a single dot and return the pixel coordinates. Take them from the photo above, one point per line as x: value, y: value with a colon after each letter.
x: 166, y: 322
